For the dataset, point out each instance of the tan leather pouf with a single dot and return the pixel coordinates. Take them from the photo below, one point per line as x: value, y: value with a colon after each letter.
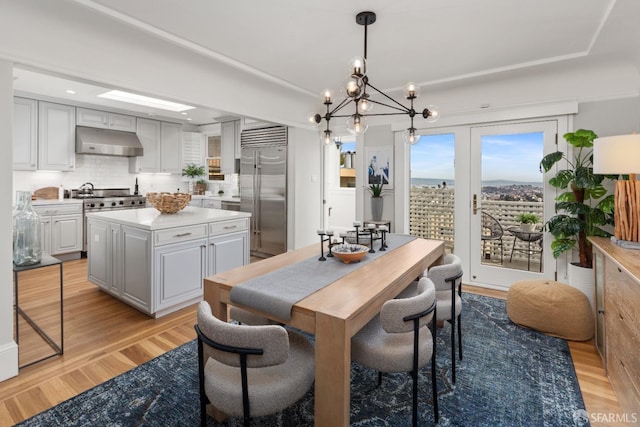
x: 551, y: 307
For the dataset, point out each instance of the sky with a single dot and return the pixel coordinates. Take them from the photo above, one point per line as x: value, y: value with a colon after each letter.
x: 513, y: 157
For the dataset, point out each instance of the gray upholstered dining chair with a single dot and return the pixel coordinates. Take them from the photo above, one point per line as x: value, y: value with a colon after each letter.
x: 249, y: 371
x: 402, y: 339
x: 447, y: 278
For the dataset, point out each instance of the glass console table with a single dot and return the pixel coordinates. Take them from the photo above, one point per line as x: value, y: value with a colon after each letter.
x: 47, y: 261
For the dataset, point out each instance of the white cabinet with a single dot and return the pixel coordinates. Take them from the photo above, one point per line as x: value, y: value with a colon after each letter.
x: 179, y: 270
x: 61, y: 228
x: 163, y: 270
x: 66, y: 234
x: 227, y: 251
x: 229, y: 146
x: 148, y: 132
x: 162, y: 143
x: 105, y: 271
x: 56, y: 137
x: 211, y: 204
x: 25, y: 134
x: 105, y: 120
x: 135, y: 259
x: 170, y: 148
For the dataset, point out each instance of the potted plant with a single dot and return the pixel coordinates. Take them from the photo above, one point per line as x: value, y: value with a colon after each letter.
x: 583, y: 209
x: 376, y: 200
x: 200, y: 187
x: 527, y: 221
x: 193, y: 171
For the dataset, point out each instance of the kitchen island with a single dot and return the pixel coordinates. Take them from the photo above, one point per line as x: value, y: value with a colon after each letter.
x: 157, y: 262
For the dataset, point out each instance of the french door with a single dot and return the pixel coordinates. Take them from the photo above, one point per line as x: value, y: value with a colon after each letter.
x: 505, y: 181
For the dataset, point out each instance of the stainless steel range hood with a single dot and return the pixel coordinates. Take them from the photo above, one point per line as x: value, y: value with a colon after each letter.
x: 107, y: 142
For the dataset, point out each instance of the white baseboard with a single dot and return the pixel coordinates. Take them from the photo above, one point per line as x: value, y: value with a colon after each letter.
x: 8, y: 360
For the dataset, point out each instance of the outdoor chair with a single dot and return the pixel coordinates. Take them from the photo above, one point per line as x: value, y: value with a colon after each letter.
x: 491, y: 231
x: 402, y: 339
x: 249, y: 371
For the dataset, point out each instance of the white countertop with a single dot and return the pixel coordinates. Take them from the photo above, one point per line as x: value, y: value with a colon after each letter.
x: 43, y: 202
x: 223, y: 198
x: 152, y: 219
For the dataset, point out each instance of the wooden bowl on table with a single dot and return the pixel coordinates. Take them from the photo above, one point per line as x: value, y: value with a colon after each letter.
x: 169, y: 203
x: 349, y: 253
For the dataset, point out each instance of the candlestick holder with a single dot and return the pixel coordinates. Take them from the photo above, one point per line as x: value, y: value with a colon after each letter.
x: 322, y: 233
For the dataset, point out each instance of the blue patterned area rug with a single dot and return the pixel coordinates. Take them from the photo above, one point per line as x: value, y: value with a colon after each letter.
x: 509, y: 376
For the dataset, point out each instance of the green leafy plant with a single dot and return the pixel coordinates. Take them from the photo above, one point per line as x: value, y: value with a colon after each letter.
x: 585, y: 207
x: 202, y: 182
x: 193, y: 171
x: 527, y: 218
x: 376, y: 189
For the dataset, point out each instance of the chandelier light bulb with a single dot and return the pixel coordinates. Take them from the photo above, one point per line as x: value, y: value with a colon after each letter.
x: 326, y: 137
x: 431, y: 113
x: 353, y: 87
x: 314, y: 119
x: 411, y: 136
x: 357, y: 124
x: 357, y: 66
x: 365, y: 105
x: 411, y: 90
x: 327, y: 96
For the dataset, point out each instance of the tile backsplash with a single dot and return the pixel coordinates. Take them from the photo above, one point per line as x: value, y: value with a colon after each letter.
x: 111, y: 172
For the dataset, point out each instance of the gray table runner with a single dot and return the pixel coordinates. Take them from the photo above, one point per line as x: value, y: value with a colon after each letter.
x: 276, y: 292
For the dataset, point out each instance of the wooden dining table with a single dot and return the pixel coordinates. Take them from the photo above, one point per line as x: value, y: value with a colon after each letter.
x: 334, y: 313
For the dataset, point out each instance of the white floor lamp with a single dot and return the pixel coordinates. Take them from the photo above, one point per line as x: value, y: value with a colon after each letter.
x: 620, y: 155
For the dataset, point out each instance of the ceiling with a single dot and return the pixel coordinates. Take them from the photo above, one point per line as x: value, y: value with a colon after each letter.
x: 307, y: 45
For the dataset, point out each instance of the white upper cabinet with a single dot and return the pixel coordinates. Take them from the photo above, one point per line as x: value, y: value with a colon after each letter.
x: 229, y: 146
x: 148, y: 132
x: 105, y: 120
x: 56, y: 137
x: 162, y: 143
x: 171, y: 148
x: 25, y: 134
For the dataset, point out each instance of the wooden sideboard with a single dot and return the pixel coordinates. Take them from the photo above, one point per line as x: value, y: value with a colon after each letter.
x: 617, y: 274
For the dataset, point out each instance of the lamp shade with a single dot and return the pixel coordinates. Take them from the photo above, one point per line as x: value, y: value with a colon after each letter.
x: 617, y: 154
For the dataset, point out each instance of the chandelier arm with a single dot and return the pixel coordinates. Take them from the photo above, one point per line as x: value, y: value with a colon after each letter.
x: 404, y: 110
x: 388, y: 97
x: 372, y: 114
x: 340, y: 106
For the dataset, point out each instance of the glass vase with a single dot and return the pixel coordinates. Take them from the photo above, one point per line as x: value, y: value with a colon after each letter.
x: 27, y: 249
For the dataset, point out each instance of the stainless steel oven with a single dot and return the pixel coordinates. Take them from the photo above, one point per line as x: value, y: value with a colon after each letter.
x: 104, y: 200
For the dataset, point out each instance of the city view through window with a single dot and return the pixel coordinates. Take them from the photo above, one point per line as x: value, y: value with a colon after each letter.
x: 511, y: 184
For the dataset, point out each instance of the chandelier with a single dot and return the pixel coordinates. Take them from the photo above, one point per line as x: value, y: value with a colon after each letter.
x: 358, y: 91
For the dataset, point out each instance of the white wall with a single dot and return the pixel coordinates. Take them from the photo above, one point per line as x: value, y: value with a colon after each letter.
x: 8, y: 347
x: 304, y: 188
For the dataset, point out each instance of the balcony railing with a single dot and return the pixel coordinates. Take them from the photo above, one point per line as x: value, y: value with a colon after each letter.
x: 431, y: 216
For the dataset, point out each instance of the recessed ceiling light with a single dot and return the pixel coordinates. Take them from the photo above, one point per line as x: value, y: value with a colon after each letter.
x: 189, y: 118
x: 132, y: 98
x: 72, y: 92
x: 183, y: 113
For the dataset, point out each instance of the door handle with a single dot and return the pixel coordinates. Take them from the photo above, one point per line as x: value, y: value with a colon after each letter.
x: 475, y: 204
x: 330, y: 211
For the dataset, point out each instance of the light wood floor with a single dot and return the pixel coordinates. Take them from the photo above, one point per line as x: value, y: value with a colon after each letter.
x: 104, y: 338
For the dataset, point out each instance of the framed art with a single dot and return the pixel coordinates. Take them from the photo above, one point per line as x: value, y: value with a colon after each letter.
x: 379, y: 164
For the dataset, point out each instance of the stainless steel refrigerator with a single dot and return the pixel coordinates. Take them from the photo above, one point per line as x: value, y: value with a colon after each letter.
x: 263, y: 188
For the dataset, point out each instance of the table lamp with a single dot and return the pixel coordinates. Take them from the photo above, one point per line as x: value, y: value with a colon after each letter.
x: 620, y: 155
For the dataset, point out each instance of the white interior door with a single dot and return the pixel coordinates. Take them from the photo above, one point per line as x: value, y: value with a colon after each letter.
x: 505, y: 180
